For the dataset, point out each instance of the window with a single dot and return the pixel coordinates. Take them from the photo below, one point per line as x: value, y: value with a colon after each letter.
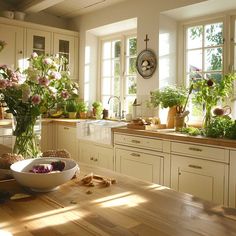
x: 118, y: 72
x: 203, y: 55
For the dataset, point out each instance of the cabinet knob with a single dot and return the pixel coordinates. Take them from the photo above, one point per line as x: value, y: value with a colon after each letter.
x: 66, y: 128
x: 91, y: 158
x: 135, y: 154
x: 95, y: 159
x: 195, y: 149
x: 195, y: 166
x: 20, y: 52
x: 135, y: 141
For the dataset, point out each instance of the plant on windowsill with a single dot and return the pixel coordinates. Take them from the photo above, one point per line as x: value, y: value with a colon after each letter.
x: 210, y: 92
x: 82, y: 110
x: 97, y: 109
x: 169, y: 97
x: 71, y: 108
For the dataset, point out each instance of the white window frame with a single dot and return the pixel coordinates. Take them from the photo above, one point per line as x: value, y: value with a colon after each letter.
x: 123, y: 37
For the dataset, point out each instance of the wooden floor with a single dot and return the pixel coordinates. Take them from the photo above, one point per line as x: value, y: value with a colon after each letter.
x: 130, y: 207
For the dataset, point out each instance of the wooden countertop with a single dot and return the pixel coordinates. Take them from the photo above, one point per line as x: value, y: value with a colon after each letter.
x: 170, y: 134
x: 130, y: 207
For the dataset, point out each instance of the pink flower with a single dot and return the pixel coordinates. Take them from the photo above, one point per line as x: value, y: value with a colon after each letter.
x: 47, y: 61
x: 56, y: 75
x: 34, y: 55
x: 36, y: 99
x: 3, y: 84
x: 43, y: 81
x: 64, y: 94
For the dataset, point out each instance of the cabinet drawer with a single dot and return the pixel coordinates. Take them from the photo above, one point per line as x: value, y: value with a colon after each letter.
x: 211, y: 153
x: 140, y: 142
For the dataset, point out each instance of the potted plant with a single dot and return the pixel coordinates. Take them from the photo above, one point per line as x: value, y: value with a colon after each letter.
x: 97, y: 109
x: 71, y: 108
x: 82, y: 109
x: 170, y: 97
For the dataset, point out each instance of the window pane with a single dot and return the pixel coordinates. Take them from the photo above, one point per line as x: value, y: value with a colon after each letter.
x: 106, y: 50
x: 116, y: 48
x: 106, y: 69
x: 86, y: 74
x: 213, y: 59
x: 116, y: 68
x: 214, y: 34
x: 131, y: 85
x: 105, y: 101
x: 194, y: 60
x: 116, y: 86
x: 215, y: 76
x: 194, y: 37
x: 128, y: 105
x: 106, y: 86
x: 131, y: 47
x: 131, y: 66
x: 86, y: 92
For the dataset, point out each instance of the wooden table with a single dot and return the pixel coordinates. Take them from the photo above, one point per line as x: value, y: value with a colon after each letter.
x: 130, y: 207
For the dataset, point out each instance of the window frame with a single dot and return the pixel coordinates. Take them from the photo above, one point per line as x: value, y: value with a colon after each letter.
x: 123, y: 36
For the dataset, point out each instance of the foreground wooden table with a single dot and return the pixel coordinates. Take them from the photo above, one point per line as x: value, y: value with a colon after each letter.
x: 130, y: 207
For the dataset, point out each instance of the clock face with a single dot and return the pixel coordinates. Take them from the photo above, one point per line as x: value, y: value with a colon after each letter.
x: 146, y: 63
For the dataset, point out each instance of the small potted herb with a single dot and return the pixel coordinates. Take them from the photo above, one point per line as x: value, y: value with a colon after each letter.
x: 97, y: 109
x: 82, y: 109
x: 71, y: 108
x: 172, y: 98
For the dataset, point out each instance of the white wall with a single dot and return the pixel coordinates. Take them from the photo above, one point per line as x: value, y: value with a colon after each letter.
x: 147, y: 13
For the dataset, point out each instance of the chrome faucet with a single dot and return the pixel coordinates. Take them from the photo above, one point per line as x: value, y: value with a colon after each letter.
x: 119, y: 115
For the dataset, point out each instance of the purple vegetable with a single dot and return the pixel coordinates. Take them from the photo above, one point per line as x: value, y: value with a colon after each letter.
x: 58, y: 165
x: 42, y: 168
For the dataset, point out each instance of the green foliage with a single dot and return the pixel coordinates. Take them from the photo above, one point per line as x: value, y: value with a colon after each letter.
x: 219, y: 127
x: 97, y: 104
x: 82, y: 107
x: 169, y: 97
x: 191, y: 131
x: 71, y: 106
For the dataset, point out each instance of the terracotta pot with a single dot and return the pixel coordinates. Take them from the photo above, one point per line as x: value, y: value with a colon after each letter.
x: 170, y: 123
x: 72, y: 115
x: 83, y: 115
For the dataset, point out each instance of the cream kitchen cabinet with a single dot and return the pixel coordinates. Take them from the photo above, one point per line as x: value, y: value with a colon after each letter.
x: 232, y: 179
x: 140, y: 157
x: 141, y: 164
x: 66, y: 139
x: 13, y: 54
x: 38, y: 41
x: 96, y: 154
x: 200, y: 170
x: 47, y: 136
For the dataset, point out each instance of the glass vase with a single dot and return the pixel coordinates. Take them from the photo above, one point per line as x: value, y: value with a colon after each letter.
x: 27, y: 134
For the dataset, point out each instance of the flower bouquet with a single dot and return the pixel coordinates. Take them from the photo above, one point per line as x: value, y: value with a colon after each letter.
x: 41, y: 87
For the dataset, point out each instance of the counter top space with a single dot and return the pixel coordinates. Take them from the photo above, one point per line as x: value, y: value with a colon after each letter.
x: 176, y: 136
x: 130, y: 207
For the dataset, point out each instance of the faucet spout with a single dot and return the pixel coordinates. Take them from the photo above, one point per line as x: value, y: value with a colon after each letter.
x: 116, y: 97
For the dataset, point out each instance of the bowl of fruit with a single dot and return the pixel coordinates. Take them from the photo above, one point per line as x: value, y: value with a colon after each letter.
x: 44, y: 174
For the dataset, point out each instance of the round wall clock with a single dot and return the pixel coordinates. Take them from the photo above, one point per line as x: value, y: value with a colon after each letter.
x: 146, y: 63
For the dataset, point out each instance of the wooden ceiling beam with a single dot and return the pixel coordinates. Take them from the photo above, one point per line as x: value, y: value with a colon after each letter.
x: 38, y: 5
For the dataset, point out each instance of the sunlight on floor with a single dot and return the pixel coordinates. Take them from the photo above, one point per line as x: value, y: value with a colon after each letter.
x: 5, y: 233
x: 127, y: 199
x: 47, y: 219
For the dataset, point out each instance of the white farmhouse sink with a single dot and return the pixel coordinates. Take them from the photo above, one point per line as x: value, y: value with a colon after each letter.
x: 98, y: 131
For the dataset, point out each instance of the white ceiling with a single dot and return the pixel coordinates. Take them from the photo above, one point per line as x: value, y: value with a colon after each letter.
x: 200, y: 9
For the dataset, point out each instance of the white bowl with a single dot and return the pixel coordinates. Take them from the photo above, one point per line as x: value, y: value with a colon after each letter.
x: 19, y: 15
x: 43, y: 182
x: 8, y: 14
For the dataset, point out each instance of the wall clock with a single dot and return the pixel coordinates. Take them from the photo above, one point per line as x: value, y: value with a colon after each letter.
x: 146, y: 62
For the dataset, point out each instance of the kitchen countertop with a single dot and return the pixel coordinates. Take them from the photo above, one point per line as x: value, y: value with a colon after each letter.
x: 171, y: 134
x: 130, y: 207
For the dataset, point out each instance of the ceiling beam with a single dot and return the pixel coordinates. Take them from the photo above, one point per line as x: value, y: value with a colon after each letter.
x: 38, y: 5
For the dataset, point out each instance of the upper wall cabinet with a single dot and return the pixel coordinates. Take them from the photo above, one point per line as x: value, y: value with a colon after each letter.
x: 13, y: 54
x: 38, y: 41
x: 24, y: 38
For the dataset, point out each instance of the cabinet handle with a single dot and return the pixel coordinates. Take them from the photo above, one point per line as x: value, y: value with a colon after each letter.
x: 91, y: 158
x: 195, y: 166
x: 135, y: 154
x: 135, y: 141
x: 20, y: 52
x: 195, y: 149
x: 66, y: 128
x: 95, y: 159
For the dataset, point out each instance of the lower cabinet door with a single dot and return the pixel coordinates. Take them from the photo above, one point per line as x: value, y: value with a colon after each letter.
x: 139, y: 164
x: 201, y: 178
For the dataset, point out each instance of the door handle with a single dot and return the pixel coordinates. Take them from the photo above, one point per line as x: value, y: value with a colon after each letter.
x: 195, y: 166
x: 135, y: 141
x: 195, y: 149
x: 135, y: 154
